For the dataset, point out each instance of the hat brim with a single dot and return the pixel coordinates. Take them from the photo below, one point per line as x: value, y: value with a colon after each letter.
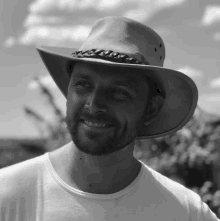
x: 181, y: 91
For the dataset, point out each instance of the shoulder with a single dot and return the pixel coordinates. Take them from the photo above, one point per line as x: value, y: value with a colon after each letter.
x: 178, y: 194
x: 17, y: 178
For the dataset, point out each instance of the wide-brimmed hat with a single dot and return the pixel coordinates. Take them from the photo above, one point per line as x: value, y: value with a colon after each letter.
x: 125, y: 43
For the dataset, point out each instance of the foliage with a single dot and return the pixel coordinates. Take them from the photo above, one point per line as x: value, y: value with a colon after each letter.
x: 56, y: 131
x: 188, y: 157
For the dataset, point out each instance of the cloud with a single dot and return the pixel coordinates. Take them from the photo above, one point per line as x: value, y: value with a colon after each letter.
x: 35, y: 19
x: 210, y: 102
x: 48, y: 22
x: 145, y: 9
x: 211, y: 15
x: 85, y: 4
x: 168, y: 3
x: 215, y: 83
x: 212, y: 97
x: 191, y: 72
x: 108, y: 5
x: 139, y: 14
x: 40, y: 6
x: 9, y: 42
x: 216, y: 36
x: 53, y: 30
x: 44, y: 34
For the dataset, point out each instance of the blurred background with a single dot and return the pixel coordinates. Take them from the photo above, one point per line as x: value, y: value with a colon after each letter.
x: 33, y: 109
x: 190, y: 30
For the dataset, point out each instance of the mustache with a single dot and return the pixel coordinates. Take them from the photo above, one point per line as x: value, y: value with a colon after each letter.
x: 86, y: 116
x: 99, y: 118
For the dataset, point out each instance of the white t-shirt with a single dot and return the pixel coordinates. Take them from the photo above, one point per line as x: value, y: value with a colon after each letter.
x: 33, y: 191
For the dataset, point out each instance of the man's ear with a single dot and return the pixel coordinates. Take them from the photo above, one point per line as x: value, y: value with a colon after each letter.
x: 153, y: 107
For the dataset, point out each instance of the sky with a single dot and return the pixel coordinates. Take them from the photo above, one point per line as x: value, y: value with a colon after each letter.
x: 189, y: 29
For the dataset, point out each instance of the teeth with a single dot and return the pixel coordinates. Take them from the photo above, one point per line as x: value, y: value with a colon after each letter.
x: 95, y: 124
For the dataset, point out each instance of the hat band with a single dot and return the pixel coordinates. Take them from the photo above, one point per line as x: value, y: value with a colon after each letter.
x: 110, y: 56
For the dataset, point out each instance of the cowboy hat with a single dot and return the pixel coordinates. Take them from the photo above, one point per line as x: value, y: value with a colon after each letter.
x: 123, y: 42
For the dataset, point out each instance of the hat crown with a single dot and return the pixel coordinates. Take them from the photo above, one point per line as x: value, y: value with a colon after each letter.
x: 129, y: 37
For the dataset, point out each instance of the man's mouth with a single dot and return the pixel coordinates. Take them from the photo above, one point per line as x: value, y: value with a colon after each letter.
x: 97, y: 125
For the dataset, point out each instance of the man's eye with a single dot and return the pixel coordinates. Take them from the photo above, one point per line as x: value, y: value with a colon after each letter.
x: 82, y: 83
x: 118, y: 91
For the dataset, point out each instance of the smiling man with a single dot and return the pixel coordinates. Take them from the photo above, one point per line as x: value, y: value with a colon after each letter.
x: 105, y: 110
x: 117, y: 91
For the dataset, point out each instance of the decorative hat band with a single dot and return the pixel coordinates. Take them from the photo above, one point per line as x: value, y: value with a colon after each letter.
x: 110, y: 56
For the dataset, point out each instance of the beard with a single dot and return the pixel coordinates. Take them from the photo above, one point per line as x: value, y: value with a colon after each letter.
x: 100, y: 143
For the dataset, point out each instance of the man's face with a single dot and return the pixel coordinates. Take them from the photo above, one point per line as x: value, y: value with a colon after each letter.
x: 97, y: 93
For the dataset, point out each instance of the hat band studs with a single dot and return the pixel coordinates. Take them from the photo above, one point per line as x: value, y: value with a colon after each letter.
x: 108, y: 55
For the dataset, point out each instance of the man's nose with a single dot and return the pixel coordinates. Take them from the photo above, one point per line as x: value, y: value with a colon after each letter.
x: 96, y: 102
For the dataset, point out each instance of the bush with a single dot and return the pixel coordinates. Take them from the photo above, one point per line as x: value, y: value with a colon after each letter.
x: 187, y: 157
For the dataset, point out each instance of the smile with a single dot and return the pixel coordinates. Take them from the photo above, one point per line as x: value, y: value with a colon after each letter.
x: 88, y: 123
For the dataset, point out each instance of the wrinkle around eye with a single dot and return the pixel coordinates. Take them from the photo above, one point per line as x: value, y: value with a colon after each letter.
x: 83, y: 86
x: 123, y: 93
x: 81, y: 82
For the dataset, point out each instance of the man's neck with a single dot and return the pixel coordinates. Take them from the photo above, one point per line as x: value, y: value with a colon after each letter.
x: 99, y: 175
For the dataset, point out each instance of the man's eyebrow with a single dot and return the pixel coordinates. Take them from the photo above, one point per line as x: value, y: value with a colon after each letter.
x: 127, y: 83
x: 80, y: 75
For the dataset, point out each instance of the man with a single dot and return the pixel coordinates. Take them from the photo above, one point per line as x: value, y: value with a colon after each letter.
x: 117, y: 91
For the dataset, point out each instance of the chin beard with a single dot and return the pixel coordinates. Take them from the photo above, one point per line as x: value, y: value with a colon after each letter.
x: 94, y: 145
